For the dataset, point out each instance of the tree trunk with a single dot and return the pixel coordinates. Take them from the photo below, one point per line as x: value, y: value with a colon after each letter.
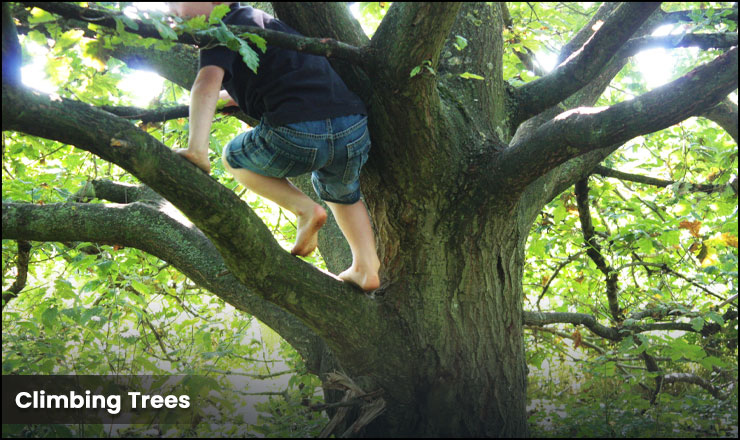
x: 460, y: 296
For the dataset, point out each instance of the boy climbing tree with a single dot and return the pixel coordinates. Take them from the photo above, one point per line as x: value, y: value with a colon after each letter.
x: 309, y: 122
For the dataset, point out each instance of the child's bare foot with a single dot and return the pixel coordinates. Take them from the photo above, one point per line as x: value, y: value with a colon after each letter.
x: 307, y: 235
x: 366, y: 280
x: 200, y: 160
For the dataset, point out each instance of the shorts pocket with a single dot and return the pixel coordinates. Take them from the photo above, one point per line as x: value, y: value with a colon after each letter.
x: 357, y: 153
x: 292, y: 159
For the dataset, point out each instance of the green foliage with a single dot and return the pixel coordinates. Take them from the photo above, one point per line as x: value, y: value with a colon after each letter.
x: 577, y: 390
x: 91, y: 309
x: 542, y: 28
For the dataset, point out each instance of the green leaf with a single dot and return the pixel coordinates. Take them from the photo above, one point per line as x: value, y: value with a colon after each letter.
x: 260, y: 42
x: 716, y: 317
x: 415, y: 71
x: 196, y: 23
x: 697, y: 323
x: 141, y: 287
x: 49, y: 318
x: 460, y: 42
x: 40, y: 16
x: 249, y: 56
x: 468, y: 75
x: 164, y: 31
x: 218, y: 13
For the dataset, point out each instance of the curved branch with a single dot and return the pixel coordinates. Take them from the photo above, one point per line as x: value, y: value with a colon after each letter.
x: 331, y: 308
x: 593, y: 250
x: 695, y: 380
x: 581, y: 37
x: 588, y: 321
x: 579, y: 131
x: 150, y: 229
x: 583, y: 65
x: 569, y: 260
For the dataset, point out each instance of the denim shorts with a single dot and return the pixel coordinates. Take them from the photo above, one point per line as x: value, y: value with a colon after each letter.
x: 334, y: 150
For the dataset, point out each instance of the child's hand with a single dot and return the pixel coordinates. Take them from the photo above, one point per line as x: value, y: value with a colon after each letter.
x: 200, y: 160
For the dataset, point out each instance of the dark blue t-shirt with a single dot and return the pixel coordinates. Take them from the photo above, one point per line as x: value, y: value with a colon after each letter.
x: 289, y: 86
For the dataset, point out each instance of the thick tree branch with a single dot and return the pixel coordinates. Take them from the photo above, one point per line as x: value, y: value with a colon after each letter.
x: 150, y: 228
x: 543, y: 189
x: 331, y: 308
x: 605, y: 10
x: 584, y: 65
x: 317, y: 46
x: 321, y: 19
x: 409, y: 35
x: 579, y: 131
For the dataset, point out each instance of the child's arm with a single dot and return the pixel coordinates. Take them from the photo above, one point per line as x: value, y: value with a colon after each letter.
x: 203, y: 99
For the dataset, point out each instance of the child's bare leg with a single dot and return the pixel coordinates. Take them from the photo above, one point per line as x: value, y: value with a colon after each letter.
x: 311, y: 216
x: 354, y: 222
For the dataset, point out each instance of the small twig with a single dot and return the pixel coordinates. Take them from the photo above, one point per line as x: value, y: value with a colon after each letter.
x: 253, y: 376
x: 555, y: 274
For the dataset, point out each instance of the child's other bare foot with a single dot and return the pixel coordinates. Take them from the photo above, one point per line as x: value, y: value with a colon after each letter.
x: 307, y: 235
x: 366, y: 280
